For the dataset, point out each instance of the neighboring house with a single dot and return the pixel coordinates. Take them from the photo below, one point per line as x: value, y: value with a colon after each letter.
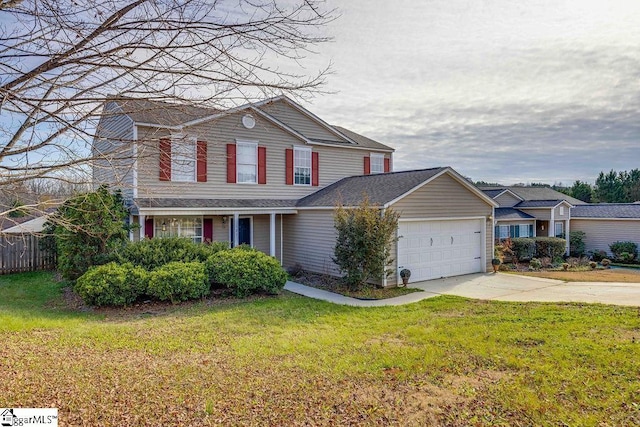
x: 269, y: 175
x: 531, y: 212
x: 606, y: 223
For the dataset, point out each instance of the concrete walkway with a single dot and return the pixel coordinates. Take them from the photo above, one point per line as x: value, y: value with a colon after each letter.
x: 497, y: 287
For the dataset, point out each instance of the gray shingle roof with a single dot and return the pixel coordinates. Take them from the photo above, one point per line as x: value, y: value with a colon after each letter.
x: 492, y: 192
x: 362, y: 141
x: 511, y: 213
x: 535, y: 193
x: 162, y: 113
x: 380, y: 188
x: 538, y: 203
x: 173, y: 114
x: 607, y: 210
x: 214, y: 203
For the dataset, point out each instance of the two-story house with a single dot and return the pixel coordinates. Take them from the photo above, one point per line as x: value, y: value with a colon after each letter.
x: 269, y: 175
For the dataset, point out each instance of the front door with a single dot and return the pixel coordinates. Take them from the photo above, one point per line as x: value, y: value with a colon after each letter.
x: 244, y: 231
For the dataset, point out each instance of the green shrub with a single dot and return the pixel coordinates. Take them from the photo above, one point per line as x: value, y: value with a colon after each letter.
x: 178, y: 281
x: 112, y: 284
x: 154, y: 253
x: 576, y: 243
x: 365, y: 236
x: 88, y: 229
x: 598, y: 255
x: 246, y: 271
x: 535, y: 264
x: 552, y: 247
x: 630, y: 249
x: 523, y: 247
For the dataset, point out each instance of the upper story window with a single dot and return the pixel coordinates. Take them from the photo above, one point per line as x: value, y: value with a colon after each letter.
x: 183, y: 158
x: 377, y: 163
x: 561, y: 210
x: 301, y: 166
x: 247, y: 162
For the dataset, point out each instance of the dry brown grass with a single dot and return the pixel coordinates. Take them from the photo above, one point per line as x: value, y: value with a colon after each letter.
x: 610, y: 275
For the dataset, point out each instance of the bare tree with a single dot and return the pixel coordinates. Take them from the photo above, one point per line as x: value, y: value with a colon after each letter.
x: 61, y: 59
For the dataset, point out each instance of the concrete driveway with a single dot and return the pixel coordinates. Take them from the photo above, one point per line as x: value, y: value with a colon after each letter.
x: 510, y: 287
x: 498, y: 287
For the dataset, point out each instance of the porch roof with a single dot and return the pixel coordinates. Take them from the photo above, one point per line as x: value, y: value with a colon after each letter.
x: 540, y: 203
x: 511, y: 213
x: 211, y: 206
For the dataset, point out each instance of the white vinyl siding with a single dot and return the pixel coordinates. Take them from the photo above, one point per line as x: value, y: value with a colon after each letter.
x: 301, y: 166
x: 184, y: 226
x: 183, y: 158
x: 247, y: 162
x: 377, y: 163
x: 600, y: 233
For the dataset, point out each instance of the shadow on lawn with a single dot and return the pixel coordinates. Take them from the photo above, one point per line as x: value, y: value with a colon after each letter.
x: 38, y: 295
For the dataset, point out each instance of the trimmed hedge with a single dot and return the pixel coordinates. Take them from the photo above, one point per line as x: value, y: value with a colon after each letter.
x: 539, y: 247
x: 112, y: 284
x: 178, y: 281
x: 246, y: 271
x: 154, y: 253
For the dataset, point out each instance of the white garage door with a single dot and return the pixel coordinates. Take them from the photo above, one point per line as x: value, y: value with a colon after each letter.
x: 434, y: 249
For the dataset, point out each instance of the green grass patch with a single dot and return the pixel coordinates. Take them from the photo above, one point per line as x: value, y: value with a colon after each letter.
x: 289, y: 360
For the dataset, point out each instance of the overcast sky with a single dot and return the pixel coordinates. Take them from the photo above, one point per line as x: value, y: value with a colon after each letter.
x: 506, y: 91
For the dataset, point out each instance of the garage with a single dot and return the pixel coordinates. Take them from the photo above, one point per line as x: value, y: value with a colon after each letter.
x: 432, y: 249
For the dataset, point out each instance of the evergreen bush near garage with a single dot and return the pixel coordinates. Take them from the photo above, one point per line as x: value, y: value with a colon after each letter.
x: 178, y: 281
x: 246, y: 271
x: 154, y: 253
x: 112, y: 284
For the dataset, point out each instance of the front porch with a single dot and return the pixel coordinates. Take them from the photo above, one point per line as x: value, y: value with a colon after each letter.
x: 259, y: 227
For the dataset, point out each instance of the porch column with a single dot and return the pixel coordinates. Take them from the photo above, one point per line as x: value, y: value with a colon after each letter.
x: 552, y: 223
x: 143, y: 223
x: 566, y: 234
x: 272, y: 234
x: 236, y: 230
x: 535, y: 227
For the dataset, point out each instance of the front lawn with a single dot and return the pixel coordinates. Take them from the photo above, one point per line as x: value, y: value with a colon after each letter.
x: 289, y: 360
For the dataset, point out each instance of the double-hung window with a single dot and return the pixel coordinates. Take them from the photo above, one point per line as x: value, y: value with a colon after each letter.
x: 301, y: 166
x: 559, y: 230
x: 247, y: 162
x: 183, y: 158
x: 185, y: 226
x: 377, y: 163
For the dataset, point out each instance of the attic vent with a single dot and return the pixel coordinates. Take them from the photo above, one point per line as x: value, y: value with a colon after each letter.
x: 248, y: 121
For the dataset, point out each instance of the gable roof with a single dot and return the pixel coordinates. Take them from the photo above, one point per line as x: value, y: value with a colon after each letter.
x: 381, y: 189
x: 607, y: 210
x: 174, y: 115
x: 533, y: 193
x: 160, y: 112
x: 541, y: 203
x: 511, y: 213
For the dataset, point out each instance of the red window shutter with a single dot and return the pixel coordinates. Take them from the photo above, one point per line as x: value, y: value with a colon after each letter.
x: 367, y: 165
x: 201, y: 161
x: 165, y: 160
x: 148, y: 228
x: 315, y: 173
x: 207, y: 230
x: 387, y: 165
x: 231, y: 163
x: 262, y: 165
x: 289, y: 166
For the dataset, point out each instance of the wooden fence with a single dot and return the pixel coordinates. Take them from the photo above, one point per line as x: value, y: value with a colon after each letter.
x: 21, y: 252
